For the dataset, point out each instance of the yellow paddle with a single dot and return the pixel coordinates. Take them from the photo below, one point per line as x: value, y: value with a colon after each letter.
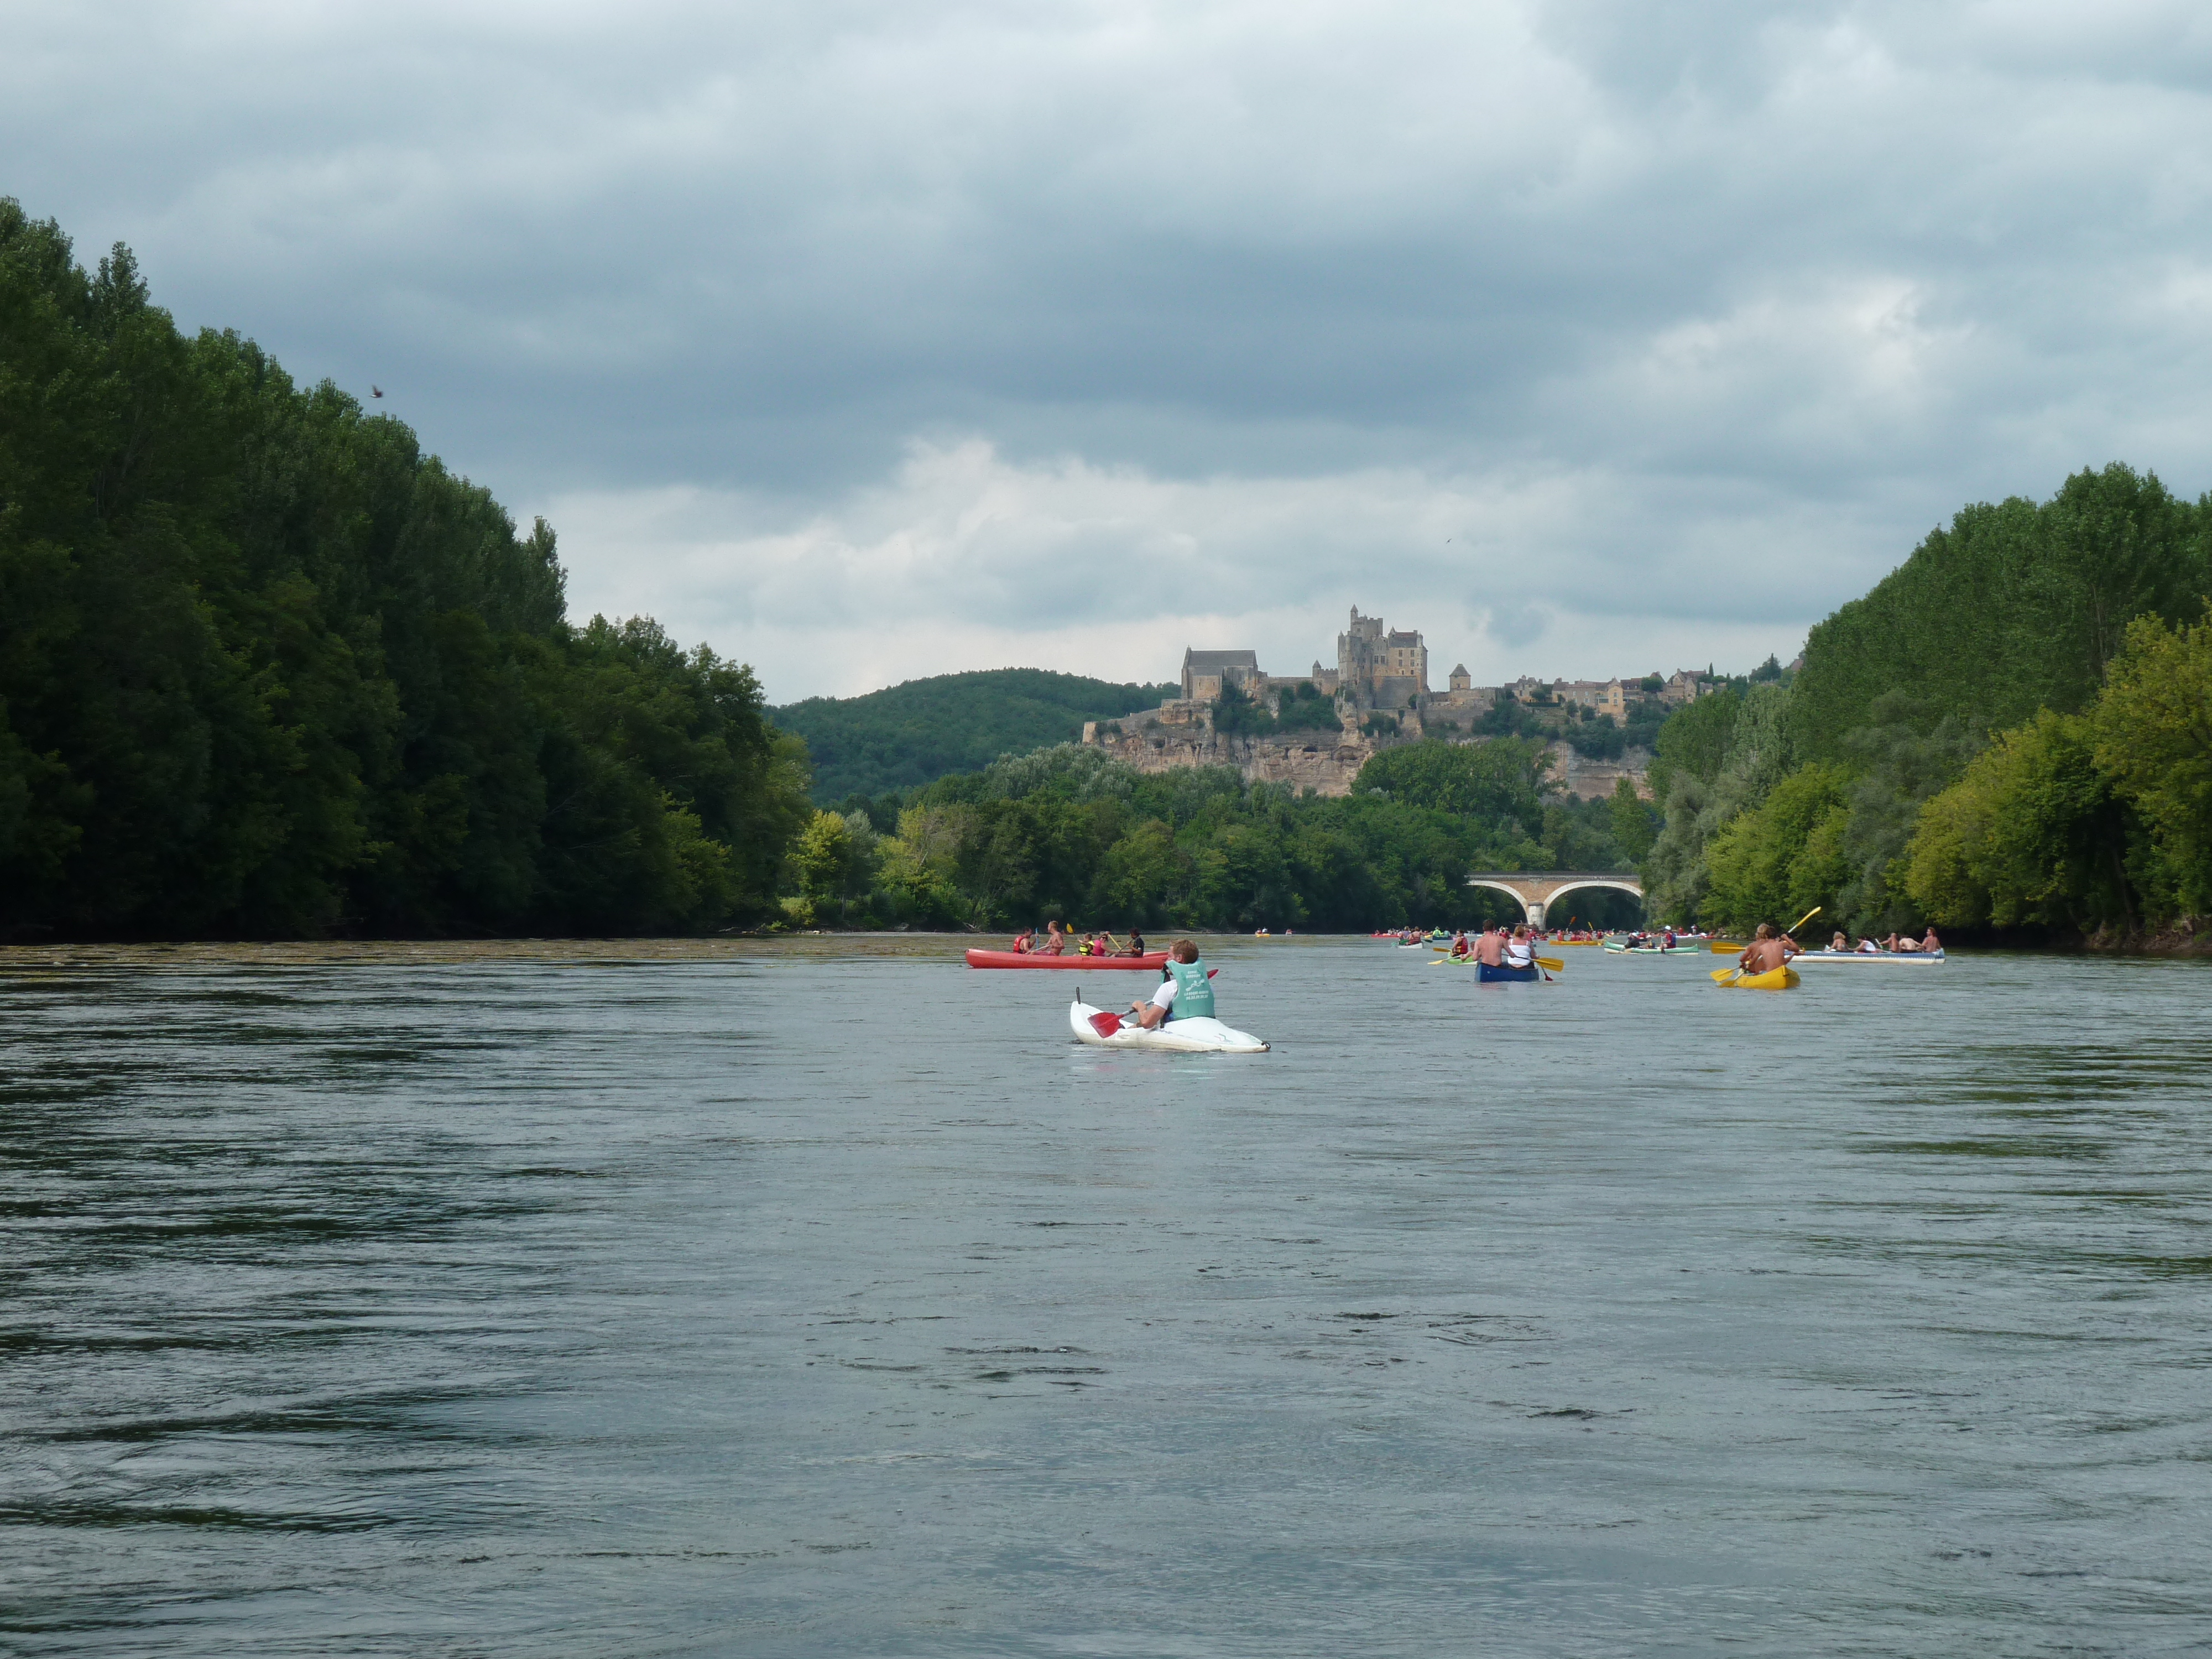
x: 1722, y: 975
x: 1557, y: 965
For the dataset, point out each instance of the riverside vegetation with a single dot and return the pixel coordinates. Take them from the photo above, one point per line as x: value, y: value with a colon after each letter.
x: 2012, y: 732
x: 268, y: 670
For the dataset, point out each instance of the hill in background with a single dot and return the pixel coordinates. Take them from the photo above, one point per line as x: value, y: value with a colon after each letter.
x: 915, y: 733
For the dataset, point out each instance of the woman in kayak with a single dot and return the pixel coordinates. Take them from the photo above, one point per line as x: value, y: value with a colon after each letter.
x: 1519, y: 953
x: 1186, y: 990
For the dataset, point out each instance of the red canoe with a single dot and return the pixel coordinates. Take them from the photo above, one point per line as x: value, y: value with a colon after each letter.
x: 1156, y: 960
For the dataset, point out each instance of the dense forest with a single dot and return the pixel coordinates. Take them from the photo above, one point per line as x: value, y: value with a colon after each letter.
x: 267, y: 669
x: 1070, y: 832
x: 914, y: 734
x: 2012, y: 731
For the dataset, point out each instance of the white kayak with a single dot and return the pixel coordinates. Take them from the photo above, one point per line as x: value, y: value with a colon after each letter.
x: 1102, y: 1028
x: 1894, y: 958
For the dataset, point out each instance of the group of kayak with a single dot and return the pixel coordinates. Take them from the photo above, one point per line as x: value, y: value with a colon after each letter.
x: 1180, y: 1013
x: 1497, y: 956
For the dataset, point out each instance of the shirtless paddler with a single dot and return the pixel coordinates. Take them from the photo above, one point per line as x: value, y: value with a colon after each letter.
x: 1767, y: 951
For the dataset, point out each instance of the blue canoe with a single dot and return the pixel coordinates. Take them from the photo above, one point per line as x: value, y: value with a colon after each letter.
x: 1490, y: 974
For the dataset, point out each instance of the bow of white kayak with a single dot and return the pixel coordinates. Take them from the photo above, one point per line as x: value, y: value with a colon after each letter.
x: 1180, y: 1036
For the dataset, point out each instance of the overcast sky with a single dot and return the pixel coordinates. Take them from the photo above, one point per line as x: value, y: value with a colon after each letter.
x: 870, y: 340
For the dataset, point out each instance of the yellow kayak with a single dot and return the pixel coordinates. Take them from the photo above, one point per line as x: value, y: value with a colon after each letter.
x: 1778, y: 979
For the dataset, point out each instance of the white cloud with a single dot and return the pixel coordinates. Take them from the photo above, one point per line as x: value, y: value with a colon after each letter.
x: 963, y: 559
x: 940, y: 322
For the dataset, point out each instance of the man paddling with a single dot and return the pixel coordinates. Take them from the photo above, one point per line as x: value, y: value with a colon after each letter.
x: 1185, y: 992
x: 1767, y: 951
x: 1490, y: 949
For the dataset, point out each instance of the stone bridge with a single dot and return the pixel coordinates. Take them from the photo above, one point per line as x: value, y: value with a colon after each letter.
x: 1537, y: 889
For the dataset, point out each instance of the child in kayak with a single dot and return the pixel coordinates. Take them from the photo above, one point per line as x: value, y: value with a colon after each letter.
x: 1186, y: 990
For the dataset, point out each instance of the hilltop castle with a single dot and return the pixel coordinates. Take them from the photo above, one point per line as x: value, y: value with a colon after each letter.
x: 1378, y: 694
x: 1375, y: 669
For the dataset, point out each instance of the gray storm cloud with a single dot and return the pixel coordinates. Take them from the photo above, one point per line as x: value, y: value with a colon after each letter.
x: 1580, y: 334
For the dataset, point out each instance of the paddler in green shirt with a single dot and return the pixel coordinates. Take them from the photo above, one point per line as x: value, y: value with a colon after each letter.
x: 1186, y: 991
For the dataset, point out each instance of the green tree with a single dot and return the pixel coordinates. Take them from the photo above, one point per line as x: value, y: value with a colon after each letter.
x: 1778, y: 860
x: 1694, y: 739
x: 2152, y: 731
x: 1634, y: 824
x: 2014, y: 607
x: 2032, y: 835
x: 1502, y: 781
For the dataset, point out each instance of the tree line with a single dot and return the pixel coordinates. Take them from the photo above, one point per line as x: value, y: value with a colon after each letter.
x: 1070, y: 832
x: 268, y: 670
x: 2012, y: 731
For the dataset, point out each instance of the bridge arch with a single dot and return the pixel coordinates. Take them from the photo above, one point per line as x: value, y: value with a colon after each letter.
x: 1538, y: 889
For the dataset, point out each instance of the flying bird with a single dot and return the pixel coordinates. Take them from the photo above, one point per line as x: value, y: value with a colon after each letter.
x: 375, y: 391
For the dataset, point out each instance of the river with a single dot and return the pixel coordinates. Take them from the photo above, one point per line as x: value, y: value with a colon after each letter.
x: 823, y: 1298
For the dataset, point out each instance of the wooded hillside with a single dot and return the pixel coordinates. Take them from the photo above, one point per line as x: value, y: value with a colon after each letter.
x: 922, y: 730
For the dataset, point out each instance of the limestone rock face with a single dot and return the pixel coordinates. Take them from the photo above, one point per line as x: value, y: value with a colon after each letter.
x: 1319, y: 761
x: 1594, y: 780
x: 1179, y: 735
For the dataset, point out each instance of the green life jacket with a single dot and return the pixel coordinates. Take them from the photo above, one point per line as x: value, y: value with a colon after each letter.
x: 1194, y: 991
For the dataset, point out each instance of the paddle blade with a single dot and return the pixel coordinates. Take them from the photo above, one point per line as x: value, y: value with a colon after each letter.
x: 1722, y: 975
x: 1557, y: 965
x: 1105, y: 1024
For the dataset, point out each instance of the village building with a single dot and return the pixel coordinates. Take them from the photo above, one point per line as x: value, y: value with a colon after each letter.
x: 1205, y: 672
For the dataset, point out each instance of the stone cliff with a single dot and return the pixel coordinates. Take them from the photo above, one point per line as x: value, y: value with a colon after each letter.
x: 1326, y: 762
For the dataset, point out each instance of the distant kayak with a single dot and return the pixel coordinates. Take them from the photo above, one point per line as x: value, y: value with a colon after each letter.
x: 1154, y: 960
x: 1101, y: 1027
x: 1491, y: 974
x: 1894, y: 959
x: 1655, y: 950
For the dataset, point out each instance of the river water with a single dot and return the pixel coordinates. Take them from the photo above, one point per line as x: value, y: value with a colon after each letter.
x: 827, y: 1300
